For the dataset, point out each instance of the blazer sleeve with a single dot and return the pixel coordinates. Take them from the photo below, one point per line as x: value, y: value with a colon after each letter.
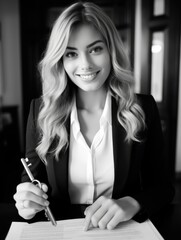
x: 37, y: 167
x: 156, y: 185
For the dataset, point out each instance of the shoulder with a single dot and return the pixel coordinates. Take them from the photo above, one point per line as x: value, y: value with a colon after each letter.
x: 149, y: 106
x: 144, y: 98
x: 146, y: 101
x: 35, y: 106
x: 36, y: 103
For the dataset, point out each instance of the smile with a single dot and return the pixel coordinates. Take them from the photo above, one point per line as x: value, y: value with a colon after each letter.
x: 88, y: 76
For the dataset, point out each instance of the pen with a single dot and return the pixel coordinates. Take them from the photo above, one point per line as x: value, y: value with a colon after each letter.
x: 35, y: 181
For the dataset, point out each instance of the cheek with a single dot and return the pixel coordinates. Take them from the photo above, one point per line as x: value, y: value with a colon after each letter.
x: 68, y: 66
x: 105, y: 61
x: 107, y: 64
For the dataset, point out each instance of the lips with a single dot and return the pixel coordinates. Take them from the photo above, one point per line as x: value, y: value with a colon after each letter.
x: 88, y: 76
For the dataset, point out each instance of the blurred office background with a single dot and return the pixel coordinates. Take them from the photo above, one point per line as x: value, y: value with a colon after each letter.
x: 150, y: 30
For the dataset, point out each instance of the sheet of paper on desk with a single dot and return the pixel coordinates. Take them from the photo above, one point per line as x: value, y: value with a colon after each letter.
x: 73, y: 229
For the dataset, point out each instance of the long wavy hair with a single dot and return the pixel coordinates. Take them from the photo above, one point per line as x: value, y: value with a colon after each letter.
x: 58, y: 91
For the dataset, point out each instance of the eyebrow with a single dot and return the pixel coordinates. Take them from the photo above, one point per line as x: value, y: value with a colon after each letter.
x: 88, y: 46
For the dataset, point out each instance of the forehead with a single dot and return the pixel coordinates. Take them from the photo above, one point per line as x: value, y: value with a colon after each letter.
x: 84, y: 34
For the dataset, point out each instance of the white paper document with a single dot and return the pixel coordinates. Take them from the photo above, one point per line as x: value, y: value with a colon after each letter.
x: 73, y: 229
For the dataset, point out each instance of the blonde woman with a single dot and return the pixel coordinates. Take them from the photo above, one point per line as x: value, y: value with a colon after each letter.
x: 94, y: 144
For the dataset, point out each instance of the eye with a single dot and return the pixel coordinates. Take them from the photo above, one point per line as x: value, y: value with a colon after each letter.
x: 97, y: 49
x: 71, y: 54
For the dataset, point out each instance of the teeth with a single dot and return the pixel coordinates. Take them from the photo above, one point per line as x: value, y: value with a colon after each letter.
x: 88, y: 76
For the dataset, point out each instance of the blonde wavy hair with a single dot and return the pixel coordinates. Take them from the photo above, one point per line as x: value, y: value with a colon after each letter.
x: 58, y: 92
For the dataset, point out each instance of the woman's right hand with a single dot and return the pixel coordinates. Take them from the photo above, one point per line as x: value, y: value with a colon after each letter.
x: 30, y: 199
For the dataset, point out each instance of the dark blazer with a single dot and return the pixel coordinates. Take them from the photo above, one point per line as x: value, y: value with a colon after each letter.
x: 139, y: 166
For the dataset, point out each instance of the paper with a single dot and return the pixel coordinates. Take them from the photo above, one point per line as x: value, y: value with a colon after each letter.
x: 73, y: 229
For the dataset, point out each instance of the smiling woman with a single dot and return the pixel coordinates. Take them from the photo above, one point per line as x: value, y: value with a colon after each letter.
x: 86, y: 59
x: 90, y: 139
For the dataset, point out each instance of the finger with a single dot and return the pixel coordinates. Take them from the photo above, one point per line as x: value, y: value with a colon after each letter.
x: 105, y: 220
x: 103, y: 215
x: 30, y: 187
x: 28, y: 205
x: 89, y: 213
x: 97, y: 216
x: 91, y: 210
x: 87, y: 223
x: 44, y: 187
x: 117, y: 218
x: 35, y: 205
x: 27, y: 213
x: 85, y: 212
x: 30, y: 196
x: 19, y: 205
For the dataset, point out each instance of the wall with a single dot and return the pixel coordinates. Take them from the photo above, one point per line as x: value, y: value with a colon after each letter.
x: 178, y: 147
x: 10, y: 56
x: 137, y: 47
x: 137, y: 73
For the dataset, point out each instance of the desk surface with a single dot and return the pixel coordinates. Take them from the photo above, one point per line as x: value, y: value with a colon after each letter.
x: 167, y: 222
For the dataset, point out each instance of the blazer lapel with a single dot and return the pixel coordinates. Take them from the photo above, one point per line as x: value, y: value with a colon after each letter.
x: 121, y: 153
x: 59, y: 172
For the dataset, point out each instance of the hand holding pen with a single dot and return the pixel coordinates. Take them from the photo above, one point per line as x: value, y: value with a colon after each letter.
x: 36, y: 182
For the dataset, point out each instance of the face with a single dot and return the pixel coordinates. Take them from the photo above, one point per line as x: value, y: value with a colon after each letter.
x: 86, y: 59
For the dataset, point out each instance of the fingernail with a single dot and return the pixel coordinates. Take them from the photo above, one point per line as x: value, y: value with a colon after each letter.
x: 45, y: 188
x: 45, y: 196
x: 85, y: 228
x: 46, y: 203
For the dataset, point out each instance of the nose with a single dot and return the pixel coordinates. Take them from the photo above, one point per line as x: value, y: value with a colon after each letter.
x: 86, y: 63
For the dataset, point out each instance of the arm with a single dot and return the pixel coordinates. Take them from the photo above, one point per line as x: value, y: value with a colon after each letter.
x: 156, y: 187
x: 38, y: 168
x: 29, y: 198
x: 148, y: 190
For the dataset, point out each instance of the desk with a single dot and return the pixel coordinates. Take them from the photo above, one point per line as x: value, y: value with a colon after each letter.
x: 167, y: 222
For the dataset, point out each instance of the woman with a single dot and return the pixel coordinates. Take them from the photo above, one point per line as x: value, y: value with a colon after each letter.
x: 95, y: 145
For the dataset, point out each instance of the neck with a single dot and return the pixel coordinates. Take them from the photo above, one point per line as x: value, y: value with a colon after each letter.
x: 91, y: 101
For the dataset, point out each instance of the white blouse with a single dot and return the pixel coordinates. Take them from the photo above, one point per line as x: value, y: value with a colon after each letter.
x: 91, y: 169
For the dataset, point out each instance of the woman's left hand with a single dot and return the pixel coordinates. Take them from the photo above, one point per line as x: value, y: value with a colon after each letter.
x: 108, y: 213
